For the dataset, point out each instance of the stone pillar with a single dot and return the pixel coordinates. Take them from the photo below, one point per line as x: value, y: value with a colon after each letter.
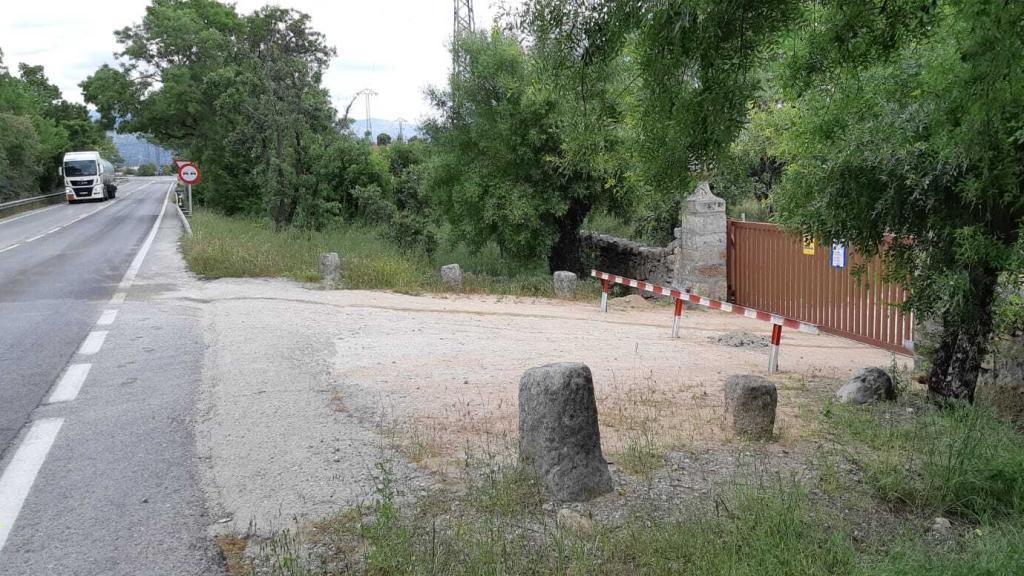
x: 565, y: 284
x: 559, y: 437
x: 700, y: 257
x: 451, y: 276
x: 330, y: 268
x: 750, y: 403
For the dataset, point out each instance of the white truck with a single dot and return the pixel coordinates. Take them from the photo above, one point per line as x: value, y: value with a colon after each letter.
x: 87, y: 176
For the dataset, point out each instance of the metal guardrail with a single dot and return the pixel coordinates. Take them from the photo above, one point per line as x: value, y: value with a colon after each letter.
x: 26, y: 201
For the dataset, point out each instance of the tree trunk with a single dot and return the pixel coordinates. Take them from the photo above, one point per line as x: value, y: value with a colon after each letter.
x: 566, y: 253
x: 957, y: 358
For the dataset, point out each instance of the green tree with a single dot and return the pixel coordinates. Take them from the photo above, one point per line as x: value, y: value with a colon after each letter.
x: 20, y: 153
x: 56, y: 126
x: 147, y: 169
x: 239, y: 94
x: 383, y: 139
x: 509, y: 165
x: 907, y: 141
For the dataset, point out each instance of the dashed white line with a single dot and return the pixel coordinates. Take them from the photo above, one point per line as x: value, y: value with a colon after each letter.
x: 93, y: 342
x: 118, y: 298
x: 70, y: 383
x: 107, y: 318
x: 108, y: 204
x: 21, y: 472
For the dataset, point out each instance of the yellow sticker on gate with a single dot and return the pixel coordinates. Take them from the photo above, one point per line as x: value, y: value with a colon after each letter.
x: 808, y: 243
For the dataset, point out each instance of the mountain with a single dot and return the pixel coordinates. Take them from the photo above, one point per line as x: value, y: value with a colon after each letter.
x: 137, y: 150
x: 390, y: 127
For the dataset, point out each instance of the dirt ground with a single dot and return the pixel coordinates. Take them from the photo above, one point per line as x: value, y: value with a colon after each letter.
x: 305, y: 389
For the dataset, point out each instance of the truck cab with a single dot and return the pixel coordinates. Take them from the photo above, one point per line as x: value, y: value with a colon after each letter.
x: 87, y: 176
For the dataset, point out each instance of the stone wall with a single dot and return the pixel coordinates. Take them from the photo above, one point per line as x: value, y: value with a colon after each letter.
x: 627, y: 258
x: 695, y: 260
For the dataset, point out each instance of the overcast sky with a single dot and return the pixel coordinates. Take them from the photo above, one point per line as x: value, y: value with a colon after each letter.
x: 396, y: 47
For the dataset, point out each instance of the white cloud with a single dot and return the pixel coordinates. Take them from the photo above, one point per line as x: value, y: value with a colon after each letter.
x: 396, y: 47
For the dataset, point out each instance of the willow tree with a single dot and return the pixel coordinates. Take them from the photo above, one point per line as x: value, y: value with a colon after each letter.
x: 510, y: 165
x: 908, y: 142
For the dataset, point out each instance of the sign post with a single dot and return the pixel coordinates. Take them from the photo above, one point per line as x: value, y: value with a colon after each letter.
x: 188, y: 174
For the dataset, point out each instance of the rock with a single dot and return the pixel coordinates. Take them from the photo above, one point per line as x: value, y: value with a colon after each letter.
x: 750, y: 403
x: 573, y: 521
x: 740, y: 340
x: 1002, y: 387
x: 941, y: 527
x: 330, y: 267
x: 559, y: 436
x: 867, y: 386
x: 451, y: 276
x: 565, y: 284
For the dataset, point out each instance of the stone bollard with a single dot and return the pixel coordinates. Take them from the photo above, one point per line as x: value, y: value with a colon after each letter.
x: 565, y: 284
x: 750, y: 403
x: 867, y: 386
x: 330, y: 267
x: 559, y: 436
x: 451, y: 276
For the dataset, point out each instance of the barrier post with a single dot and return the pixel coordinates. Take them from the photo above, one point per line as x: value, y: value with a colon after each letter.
x: 773, y: 356
x: 604, y: 295
x: 675, y: 318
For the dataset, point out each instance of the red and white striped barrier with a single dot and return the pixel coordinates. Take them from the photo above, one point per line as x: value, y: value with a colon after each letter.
x: 681, y: 296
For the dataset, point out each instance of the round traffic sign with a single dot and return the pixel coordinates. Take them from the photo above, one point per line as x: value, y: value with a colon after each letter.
x: 188, y: 174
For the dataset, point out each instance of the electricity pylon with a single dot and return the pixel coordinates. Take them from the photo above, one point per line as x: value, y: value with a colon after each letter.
x: 367, y: 93
x: 463, y: 24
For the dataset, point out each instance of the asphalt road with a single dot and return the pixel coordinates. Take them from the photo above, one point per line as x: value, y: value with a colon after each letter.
x: 98, y: 384
x: 52, y: 288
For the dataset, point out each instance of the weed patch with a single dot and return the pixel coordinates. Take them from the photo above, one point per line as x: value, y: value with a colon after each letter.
x: 960, y: 460
x: 240, y: 247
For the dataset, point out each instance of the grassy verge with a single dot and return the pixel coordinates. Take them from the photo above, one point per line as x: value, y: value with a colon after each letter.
x: 232, y: 247
x: 961, y: 461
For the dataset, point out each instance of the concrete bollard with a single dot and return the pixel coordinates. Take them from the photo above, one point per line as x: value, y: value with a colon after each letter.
x: 451, y: 276
x: 750, y: 403
x: 565, y: 284
x: 559, y: 436
x: 330, y: 268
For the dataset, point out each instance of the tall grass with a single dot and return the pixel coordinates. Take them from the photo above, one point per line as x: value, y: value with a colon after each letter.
x: 960, y: 460
x: 233, y: 247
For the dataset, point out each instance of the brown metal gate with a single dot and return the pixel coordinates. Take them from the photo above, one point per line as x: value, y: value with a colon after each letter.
x: 768, y: 270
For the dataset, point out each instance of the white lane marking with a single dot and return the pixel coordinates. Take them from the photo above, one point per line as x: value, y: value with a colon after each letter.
x: 93, y: 342
x: 17, y: 480
x: 107, y: 318
x: 108, y: 204
x: 70, y: 383
x: 118, y: 298
x: 133, y: 269
x: 29, y: 213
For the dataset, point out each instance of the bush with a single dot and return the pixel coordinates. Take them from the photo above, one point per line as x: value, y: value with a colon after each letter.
x: 147, y: 170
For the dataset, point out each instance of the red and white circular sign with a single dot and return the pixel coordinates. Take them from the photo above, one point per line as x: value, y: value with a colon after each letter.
x: 188, y: 173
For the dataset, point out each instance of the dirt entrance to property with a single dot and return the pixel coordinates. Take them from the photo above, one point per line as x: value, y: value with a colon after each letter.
x: 305, y: 387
